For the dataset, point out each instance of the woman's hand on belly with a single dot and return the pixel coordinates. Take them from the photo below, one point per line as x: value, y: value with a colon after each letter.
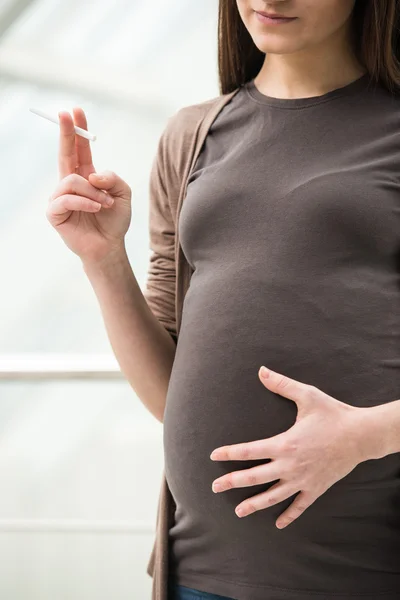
x: 327, y: 441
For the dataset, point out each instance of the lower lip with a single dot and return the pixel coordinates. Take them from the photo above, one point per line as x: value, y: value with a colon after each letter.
x: 274, y: 21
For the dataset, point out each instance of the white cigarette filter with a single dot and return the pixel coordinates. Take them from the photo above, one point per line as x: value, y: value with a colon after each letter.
x: 78, y: 130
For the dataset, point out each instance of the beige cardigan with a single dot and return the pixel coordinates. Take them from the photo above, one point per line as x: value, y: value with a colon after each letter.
x: 169, y: 273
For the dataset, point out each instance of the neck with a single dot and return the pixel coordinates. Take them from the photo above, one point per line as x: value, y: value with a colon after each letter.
x: 312, y: 71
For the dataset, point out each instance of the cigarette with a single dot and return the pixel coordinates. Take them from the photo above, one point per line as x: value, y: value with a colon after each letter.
x: 78, y: 130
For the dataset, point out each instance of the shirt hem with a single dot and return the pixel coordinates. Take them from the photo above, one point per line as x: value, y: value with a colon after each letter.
x: 245, y: 591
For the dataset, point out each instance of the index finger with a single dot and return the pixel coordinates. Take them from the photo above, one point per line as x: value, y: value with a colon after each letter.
x: 67, y: 156
x: 254, y: 450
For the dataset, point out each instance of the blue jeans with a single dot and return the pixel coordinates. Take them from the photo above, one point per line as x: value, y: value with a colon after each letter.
x: 180, y: 592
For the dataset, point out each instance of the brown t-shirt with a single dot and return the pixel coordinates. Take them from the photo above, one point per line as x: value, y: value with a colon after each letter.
x: 292, y: 226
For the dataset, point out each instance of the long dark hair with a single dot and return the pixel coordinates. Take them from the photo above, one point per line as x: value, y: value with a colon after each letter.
x: 376, y: 37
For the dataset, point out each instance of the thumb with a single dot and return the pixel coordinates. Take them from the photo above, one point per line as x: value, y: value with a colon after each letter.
x: 112, y: 183
x: 284, y: 386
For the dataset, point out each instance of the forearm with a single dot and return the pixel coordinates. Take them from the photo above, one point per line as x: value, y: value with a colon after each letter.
x: 143, y: 348
x: 381, y: 429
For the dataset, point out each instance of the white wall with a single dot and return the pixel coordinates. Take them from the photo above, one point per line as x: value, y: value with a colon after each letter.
x: 81, y: 461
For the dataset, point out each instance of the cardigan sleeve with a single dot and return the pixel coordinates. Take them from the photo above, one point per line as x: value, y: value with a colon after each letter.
x: 161, y: 274
x: 173, y: 155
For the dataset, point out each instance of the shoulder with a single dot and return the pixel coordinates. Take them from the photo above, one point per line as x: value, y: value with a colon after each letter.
x: 183, y: 124
x: 178, y: 139
x: 187, y: 117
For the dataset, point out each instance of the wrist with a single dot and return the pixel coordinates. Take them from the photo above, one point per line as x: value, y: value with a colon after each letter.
x: 106, y: 264
x: 378, y: 430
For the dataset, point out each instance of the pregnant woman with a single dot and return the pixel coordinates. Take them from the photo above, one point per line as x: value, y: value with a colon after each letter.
x: 275, y: 235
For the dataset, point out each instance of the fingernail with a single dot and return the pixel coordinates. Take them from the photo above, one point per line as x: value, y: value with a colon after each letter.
x: 109, y: 199
x: 264, y: 372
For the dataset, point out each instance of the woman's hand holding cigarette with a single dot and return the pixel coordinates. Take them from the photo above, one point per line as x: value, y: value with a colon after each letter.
x: 91, y: 213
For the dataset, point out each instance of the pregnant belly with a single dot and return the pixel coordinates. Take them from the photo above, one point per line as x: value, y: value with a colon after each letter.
x: 215, y: 399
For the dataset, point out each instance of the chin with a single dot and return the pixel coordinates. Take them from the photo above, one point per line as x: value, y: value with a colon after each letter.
x: 275, y: 46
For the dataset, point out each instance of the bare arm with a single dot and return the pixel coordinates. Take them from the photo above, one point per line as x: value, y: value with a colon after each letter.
x: 141, y: 325
x: 144, y: 349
